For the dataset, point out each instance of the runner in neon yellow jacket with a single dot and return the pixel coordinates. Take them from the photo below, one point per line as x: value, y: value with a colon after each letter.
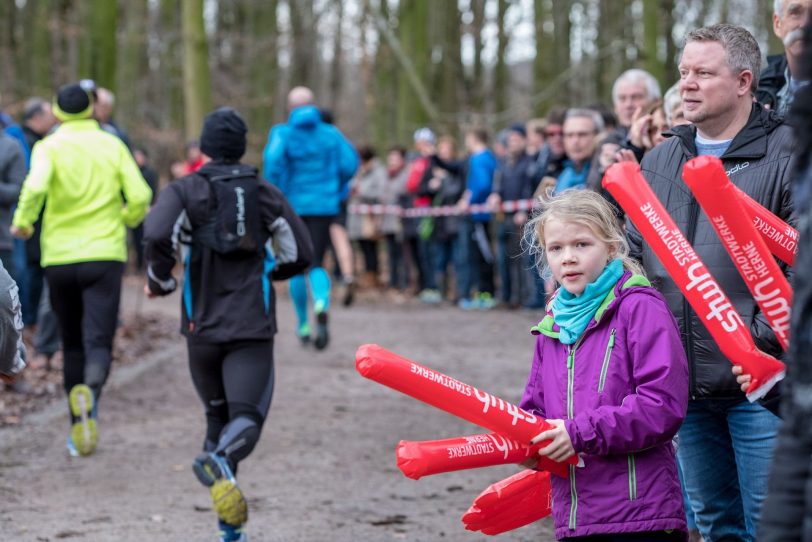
x: 91, y: 189
x: 83, y: 171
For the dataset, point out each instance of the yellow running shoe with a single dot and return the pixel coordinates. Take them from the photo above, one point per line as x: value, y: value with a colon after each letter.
x: 83, y: 433
x: 229, y: 503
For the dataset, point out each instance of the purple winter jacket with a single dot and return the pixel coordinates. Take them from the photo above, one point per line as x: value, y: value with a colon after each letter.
x: 622, y: 390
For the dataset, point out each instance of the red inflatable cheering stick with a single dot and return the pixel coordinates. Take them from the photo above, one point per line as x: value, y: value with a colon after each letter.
x: 417, y: 459
x: 781, y: 238
x: 719, y: 198
x: 454, y: 397
x: 625, y: 182
x: 511, y: 503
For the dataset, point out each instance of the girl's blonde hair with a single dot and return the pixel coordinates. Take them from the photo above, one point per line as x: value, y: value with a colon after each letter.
x: 584, y: 207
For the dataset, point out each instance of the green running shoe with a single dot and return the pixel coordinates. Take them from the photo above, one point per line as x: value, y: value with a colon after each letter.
x: 83, y: 433
x: 304, y: 333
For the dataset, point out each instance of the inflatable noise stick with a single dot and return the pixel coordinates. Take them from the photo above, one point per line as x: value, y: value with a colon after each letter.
x: 455, y: 397
x: 424, y: 458
x: 514, y: 502
x: 625, y: 182
x: 718, y: 197
x: 781, y: 238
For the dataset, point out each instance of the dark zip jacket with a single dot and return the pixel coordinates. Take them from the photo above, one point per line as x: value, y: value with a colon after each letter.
x: 771, y: 80
x: 224, y: 299
x: 758, y: 161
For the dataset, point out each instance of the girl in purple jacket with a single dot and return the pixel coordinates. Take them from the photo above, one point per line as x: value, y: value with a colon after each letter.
x: 610, y: 374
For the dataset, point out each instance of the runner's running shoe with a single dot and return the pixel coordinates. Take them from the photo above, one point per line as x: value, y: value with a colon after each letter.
x: 229, y: 503
x: 230, y: 533
x: 322, y: 332
x: 349, y: 291
x: 304, y: 334
x: 83, y: 432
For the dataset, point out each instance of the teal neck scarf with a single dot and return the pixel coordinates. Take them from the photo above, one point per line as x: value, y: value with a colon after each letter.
x: 573, y: 314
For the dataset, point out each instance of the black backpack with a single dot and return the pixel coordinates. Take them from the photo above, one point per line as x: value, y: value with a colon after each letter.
x: 234, y: 227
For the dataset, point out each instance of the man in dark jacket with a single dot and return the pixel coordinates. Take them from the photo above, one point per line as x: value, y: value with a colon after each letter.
x: 777, y: 85
x: 726, y: 442
x: 229, y: 314
x: 787, y: 512
x: 513, y: 181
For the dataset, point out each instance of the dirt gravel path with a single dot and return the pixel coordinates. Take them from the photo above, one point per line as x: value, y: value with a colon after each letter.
x: 325, y: 467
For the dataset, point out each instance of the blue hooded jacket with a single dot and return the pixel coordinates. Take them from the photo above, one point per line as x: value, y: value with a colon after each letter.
x: 310, y: 161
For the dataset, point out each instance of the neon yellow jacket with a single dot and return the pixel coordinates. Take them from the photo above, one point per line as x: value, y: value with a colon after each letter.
x: 80, y: 172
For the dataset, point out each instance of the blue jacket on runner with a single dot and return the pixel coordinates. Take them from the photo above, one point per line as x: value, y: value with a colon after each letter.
x: 310, y: 161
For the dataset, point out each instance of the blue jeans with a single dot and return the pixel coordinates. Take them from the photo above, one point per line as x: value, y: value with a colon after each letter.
x: 447, y: 255
x: 467, y: 275
x: 725, y: 450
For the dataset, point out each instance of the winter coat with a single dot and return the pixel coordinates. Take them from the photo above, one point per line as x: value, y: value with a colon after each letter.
x: 12, y: 350
x: 12, y: 173
x: 787, y: 511
x: 449, y: 194
x: 224, y: 299
x: 622, y: 390
x: 759, y: 162
x: 395, y: 189
x: 513, y: 180
x: 771, y: 80
x: 367, y: 187
x: 310, y: 161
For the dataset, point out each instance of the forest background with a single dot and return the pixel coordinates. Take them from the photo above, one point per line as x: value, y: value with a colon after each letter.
x: 384, y: 67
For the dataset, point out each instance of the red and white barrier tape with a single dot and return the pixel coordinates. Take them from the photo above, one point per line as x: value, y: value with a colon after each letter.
x: 447, y: 210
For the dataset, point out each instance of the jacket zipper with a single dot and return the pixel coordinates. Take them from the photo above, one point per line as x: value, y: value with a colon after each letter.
x: 686, y: 307
x: 606, y: 357
x: 632, y: 478
x: 570, y: 384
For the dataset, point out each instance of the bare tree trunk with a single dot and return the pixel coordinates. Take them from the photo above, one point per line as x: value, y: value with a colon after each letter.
x: 102, y: 52
x: 501, y: 76
x: 448, y: 64
x: 651, y: 39
x: 476, y: 83
x: 264, y: 75
x: 133, y: 62
x: 670, y: 63
x: 414, y: 104
x: 304, y: 63
x: 8, y: 51
x: 611, y: 25
x: 562, y: 31
x: 196, y: 76
x: 384, y: 90
x: 334, y: 90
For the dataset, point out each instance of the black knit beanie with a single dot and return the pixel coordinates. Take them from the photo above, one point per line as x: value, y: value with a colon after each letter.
x: 223, y: 135
x: 72, y: 103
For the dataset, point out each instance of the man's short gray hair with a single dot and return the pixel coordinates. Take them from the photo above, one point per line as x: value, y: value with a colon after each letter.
x: 590, y: 114
x: 636, y: 75
x: 34, y: 107
x: 778, y: 7
x: 741, y: 48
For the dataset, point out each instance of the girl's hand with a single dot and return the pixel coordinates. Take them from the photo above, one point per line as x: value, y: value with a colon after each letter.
x: 742, y: 379
x: 531, y: 463
x: 560, y: 449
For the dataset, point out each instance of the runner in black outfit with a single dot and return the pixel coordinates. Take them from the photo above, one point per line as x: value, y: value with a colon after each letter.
x: 228, y: 314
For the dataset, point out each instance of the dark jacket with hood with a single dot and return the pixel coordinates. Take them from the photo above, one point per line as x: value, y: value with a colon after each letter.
x: 224, y: 299
x: 758, y: 161
x: 771, y: 80
x: 449, y: 193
